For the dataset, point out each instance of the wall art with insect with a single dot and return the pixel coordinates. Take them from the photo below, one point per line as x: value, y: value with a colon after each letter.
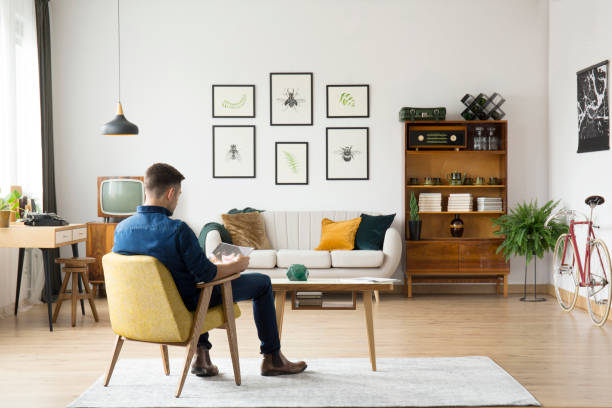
x: 233, y: 151
x: 291, y: 99
x: 291, y: 162
x: 233, y: 101
x: 347, y: 153
x: 348, y: 101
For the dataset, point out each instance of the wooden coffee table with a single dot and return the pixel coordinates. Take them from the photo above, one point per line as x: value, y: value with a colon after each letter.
x: 282, y: 286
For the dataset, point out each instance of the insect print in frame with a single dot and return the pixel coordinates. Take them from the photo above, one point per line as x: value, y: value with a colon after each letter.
x: 291, y: 99
x: 347, y: 153
x: 233, y: 153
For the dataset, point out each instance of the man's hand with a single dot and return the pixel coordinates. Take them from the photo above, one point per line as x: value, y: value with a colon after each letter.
x: 236, y: 266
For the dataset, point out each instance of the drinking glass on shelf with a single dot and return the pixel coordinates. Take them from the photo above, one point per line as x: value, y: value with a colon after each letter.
x: 479, y: 139
x: 493, y: 139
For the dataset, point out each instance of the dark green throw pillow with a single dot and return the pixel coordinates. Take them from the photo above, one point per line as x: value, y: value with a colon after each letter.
x: 371, y: 231
x: 214, y: 226
x: 244, y: 210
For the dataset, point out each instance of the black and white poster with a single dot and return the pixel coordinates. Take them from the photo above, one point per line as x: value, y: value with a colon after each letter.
x: 593, y: 109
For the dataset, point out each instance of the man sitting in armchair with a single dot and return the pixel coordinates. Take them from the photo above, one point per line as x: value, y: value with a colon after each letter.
x: 152, y: 232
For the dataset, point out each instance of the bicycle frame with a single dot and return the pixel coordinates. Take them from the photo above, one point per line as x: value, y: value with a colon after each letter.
x: 585, y: 271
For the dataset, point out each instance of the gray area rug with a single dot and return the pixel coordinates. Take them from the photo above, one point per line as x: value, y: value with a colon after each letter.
x: 331, y: 382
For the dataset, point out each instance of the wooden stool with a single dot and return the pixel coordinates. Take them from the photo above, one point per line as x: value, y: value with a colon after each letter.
x: 77, y: 267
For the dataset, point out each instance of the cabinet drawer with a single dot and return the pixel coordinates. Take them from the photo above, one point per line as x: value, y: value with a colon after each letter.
x: 481, y: 256
x: 63, y: 236
x: 79, y: 233
x: 432, y: 256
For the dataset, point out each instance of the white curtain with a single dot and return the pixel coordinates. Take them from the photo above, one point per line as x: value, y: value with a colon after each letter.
x: 20, y: 139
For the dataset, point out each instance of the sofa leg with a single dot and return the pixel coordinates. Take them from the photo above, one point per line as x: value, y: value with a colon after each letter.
x: 377, y: 296
x: 409, y: 285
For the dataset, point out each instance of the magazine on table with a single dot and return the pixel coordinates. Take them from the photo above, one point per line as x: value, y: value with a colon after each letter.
x: 228, y: 252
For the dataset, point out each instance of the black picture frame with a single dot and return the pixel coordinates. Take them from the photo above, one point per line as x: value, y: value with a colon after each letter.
x: 276, y: 144
x: 593, y: 105
x: 367, y: 129
x: 214, y: 128
x: 215, y: 115
x: 272, y: 74
x: 327, y: 88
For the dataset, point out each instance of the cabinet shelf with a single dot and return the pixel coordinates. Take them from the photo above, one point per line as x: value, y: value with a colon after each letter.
x: 459, y: 186
x: 460, y: 212
x: 455, y: 152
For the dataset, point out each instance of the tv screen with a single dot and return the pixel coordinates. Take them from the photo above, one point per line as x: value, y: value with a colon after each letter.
x: 119, y: 197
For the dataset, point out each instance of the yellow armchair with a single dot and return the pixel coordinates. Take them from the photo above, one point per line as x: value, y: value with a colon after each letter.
x: 144, y: 305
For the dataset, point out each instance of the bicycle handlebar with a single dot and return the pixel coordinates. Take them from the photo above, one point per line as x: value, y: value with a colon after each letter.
x: 563, y: 212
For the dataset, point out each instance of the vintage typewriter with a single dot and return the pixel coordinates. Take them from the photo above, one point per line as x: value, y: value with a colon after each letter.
x: 44, y: 220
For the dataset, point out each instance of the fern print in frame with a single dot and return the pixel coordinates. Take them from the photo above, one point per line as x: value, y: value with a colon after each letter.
x: 291, y: 164
x: 348, y: 101
x: 233, y: 101
x: 234, y: 105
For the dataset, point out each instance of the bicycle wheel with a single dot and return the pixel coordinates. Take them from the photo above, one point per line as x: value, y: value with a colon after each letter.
x: 564, y: 272
x: 599, y: 289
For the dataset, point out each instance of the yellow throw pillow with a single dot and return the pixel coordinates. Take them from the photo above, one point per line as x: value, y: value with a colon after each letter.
x: 247, y: 229
x: 338, y: 235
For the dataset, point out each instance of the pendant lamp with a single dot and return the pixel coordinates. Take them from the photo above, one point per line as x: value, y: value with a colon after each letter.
x: 119, y: 125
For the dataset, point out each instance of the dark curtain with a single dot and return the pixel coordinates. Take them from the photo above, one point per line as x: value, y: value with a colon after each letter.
x: 46, y: 122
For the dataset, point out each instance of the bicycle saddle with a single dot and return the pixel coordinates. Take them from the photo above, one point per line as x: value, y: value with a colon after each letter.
x: 594, y: 201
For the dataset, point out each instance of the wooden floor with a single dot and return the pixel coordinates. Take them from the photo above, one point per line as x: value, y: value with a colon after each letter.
x: 563, y: 360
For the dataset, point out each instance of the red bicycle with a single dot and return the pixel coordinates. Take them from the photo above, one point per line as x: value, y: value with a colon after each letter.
x: 570, y: 274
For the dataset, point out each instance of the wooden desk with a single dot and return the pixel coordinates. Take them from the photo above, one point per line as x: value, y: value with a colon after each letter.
x: 22, y: 236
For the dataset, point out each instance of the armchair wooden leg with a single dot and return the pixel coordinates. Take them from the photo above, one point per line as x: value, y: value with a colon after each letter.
x: 196, y: 330
x: 232, y: 338
x: 118, y: 344
x: 377, y: 296
x: 164, y: 351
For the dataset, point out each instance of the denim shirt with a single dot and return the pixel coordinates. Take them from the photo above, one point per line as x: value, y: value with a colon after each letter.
x: 151, y: 232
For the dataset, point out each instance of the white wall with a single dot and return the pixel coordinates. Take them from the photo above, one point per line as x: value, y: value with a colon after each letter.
x: 580, y: 35
x: 412, y: 53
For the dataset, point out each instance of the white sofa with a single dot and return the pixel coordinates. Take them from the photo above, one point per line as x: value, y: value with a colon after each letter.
x: 294, y: 235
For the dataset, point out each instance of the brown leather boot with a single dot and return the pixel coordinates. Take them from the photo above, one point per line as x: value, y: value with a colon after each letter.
x: 277, y: 364
x: 203, y: 366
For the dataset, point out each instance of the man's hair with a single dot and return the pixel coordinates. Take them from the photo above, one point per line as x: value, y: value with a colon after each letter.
x: 160, y: 177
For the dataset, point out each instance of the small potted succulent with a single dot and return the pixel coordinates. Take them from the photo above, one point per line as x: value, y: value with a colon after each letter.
x: 414, y: 225
x: 7, y: 205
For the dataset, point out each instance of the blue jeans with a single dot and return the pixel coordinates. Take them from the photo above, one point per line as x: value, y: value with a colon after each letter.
x: 258, y: 287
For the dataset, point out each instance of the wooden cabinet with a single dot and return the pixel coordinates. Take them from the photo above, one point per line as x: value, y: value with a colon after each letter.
x: 438, y: 257
x: 99, y: 243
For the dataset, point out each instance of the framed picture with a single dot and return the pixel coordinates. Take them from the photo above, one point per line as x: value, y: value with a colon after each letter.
x: 291, y: 99
x: 233, y: 101
x: 347, y: 153
x: 348, y: 101
x: 291, y: 163
x: 593, y: 108
x: 233, y: 151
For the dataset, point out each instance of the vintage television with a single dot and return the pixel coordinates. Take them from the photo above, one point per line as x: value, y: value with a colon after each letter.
x: 119, y: 196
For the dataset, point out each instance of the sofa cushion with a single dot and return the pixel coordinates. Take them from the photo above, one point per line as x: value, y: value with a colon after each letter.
x: 262, y: 258
x: 309, y: 258
x: 371, y: 231
x: 357, y: 259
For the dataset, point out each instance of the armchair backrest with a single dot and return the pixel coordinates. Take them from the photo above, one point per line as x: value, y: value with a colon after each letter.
x: 143, y: 301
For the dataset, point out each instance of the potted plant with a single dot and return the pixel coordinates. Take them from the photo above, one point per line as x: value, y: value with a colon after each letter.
x: 414, y: 225
x: 526, y: 235
x: 7, y: 205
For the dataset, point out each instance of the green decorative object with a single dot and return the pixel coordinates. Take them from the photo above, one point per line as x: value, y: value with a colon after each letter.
x: 525, y: 232
x: 414, y: 208
x: 297, y: 272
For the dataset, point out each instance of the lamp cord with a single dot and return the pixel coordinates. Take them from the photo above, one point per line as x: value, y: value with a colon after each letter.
x: 119, y: 49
